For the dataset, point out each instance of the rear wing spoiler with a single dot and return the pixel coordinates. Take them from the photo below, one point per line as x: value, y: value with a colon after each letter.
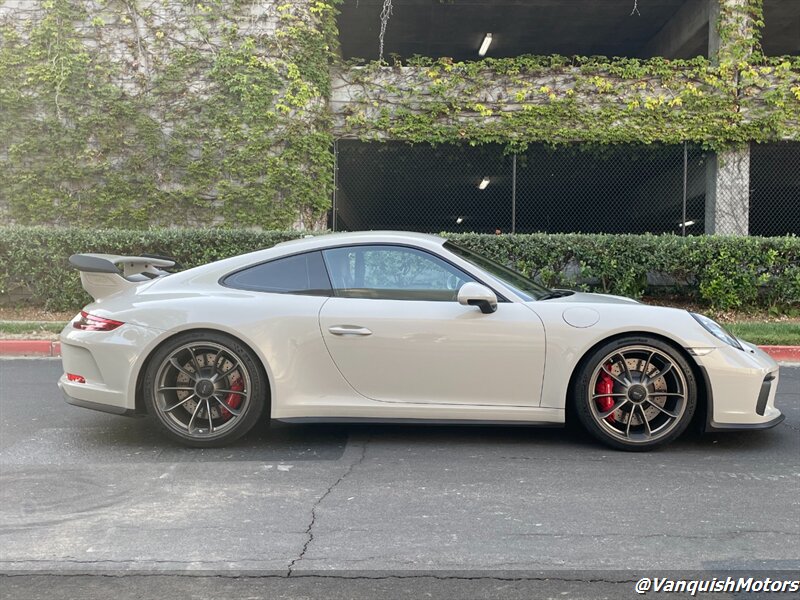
x: 105, y: 274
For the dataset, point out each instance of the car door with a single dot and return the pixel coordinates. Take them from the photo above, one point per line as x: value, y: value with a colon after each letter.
x: 397, y: 333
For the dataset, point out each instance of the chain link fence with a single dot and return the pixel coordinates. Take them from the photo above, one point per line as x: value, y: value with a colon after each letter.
x: 577, y: 188
x: 612, y: 189
x: 419, y: 187
x: 775, y: 188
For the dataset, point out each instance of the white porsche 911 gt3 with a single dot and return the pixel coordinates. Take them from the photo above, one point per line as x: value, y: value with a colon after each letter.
x: 391, y: 326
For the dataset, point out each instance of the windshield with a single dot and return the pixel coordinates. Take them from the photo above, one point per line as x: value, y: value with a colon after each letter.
x: 526, y: 288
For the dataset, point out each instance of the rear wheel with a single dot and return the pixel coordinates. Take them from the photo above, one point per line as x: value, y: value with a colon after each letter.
x: 205, y: 389
x: 635, y: 394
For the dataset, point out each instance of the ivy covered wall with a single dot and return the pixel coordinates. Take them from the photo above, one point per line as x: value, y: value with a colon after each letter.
x: 126, y: 113
x: 516, y: 101
x: 735, y: 97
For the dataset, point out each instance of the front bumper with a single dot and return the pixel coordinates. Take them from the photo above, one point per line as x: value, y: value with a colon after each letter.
x: 713, y: 426
x: 741, y: 388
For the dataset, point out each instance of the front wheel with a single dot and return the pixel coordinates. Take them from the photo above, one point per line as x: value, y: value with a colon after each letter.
x: 205, y: 389
x: 635, y: 394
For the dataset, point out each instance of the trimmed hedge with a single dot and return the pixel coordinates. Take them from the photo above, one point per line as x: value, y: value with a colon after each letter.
x: 722, y: 272
x: 34, y: 260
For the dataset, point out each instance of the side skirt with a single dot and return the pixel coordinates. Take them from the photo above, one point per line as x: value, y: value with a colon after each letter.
x: 404, y: 421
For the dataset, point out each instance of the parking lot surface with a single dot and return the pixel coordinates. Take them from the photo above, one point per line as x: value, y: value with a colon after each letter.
x: 83, y: 492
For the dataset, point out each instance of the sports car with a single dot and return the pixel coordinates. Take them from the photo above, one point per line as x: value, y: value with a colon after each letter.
x: 395, y: 326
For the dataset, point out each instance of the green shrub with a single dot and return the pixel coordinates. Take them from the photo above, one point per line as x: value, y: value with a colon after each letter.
x: 722, y: 272
x: 34, y: 259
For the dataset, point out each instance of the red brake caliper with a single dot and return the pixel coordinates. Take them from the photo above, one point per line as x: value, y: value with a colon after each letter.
x: 232, y: 400
x: 605, y: 385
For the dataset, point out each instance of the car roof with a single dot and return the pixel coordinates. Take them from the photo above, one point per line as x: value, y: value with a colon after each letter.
x: 213, y: 270
x: 361, y: 237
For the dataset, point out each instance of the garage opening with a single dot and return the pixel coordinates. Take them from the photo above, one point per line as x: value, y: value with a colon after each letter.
x: 775, y: 189
x: 781, y: 34
x: 576, y: 188
x: 437, y: 28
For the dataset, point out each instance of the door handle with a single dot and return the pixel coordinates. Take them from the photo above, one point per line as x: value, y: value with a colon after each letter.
x: 349, y: 330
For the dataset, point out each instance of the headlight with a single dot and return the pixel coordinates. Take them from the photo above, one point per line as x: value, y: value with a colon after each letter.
x: 717, y: 330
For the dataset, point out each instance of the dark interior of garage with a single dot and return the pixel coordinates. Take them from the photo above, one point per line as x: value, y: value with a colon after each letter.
x: 775, y: 188
x: 570, y: 188
x: 622, y: 189
x: 781, y: 33
x: 625, y: 28
x: 456, y: 29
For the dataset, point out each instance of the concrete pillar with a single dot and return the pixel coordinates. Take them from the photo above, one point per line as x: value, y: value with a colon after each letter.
x: 682, y: 36
x: 728, y: 192
x: 713, y: 29
x: 732, y: 15
x: 728, y: 172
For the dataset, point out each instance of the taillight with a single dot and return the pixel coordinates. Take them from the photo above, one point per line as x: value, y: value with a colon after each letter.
x: 76, y: 378
x: 89, y: 322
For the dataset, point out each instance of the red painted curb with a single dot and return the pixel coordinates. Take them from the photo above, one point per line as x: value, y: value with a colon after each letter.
x: 29, y: 348
x: 48, y: 348
x: 783, y: 353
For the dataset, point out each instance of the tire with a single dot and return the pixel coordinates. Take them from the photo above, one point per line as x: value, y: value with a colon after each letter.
x: 205, y: 389
x: 635, y: 393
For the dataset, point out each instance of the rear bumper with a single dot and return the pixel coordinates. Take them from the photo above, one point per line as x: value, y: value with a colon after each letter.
x: 109, y: 364
x: 92, y: 405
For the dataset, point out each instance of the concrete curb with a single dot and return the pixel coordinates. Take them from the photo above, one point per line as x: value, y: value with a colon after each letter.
x: 46, y: 348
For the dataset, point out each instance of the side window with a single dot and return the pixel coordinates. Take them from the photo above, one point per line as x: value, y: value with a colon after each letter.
x: 299, y: 274
x: 392, y: 273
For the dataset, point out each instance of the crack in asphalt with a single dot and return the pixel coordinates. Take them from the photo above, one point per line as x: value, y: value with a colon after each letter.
x: 310, y: 530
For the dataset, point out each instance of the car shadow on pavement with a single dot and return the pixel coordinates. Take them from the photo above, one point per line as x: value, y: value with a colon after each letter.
x: 556, y: 440
x: 112, y: 439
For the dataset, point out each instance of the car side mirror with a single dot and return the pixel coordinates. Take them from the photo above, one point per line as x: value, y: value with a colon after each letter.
x: 475, y: 294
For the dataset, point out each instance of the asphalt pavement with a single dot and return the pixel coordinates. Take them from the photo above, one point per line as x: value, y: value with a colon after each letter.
x: 89, y: 500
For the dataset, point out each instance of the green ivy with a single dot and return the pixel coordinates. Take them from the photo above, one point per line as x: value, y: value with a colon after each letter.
x: 737, y: 97
x: 588, y: 99
x: 93, y: 140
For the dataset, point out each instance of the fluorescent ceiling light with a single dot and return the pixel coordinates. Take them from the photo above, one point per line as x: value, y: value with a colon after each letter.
x: 484, y: 183
x: 459, y: 220
x: 487, y: 41
x: 687, y: 224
